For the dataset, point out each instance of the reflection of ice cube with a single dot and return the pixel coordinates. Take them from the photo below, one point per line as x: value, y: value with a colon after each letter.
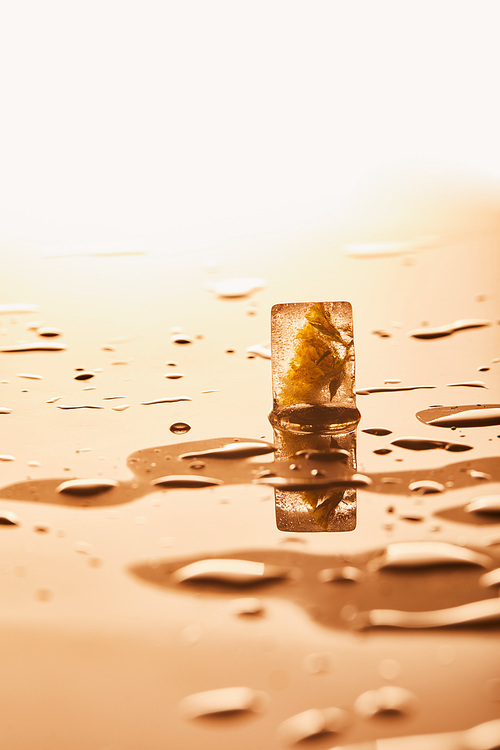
x: 322, y: 509
x: 312, y: 348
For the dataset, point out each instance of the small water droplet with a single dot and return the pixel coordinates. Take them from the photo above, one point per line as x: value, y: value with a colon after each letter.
x: 389, y: 669
x: 260, y: 350
x: 7, y: 518
x: 174, y: 375
x: 181, y: 338
x: 313, y: 723
x: 179, y: 428
x: 382, y: 451
x: 6, y: 457
x: 83, y: 548
x: 122, y: 407
x: 29, y: 376
x: 79, y: 406
x: 5, y: 410
x: 425, y: 444
x: 49, y: 331
x: 236, y: 287
x: 382, y: 333
x: 346, y: 573
x: 223, y: 702
x: 389, y: 699
x: 44, y: 594
x: 480, y: 475
x: 377, y: 431
x: 468, y: 383
x: 84, y: 375
x: 426, y: 486
x: 247, y: 606
x: 86, y: 486
x: 165, y: 401
x: 391, y: 389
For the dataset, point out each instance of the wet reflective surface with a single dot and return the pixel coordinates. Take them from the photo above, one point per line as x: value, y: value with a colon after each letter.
x: 156, y: 532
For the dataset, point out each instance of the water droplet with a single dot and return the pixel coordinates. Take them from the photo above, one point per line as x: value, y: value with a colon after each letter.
x: 83, y: 548
x: 122, y: 407
x: 377, y: 431
x: 197, y: 465
x: 424, y: 554
x: 390, y: 389
x: 318, y: 663
x: 346, y: 573
x: 468, y: 383
x: 389, y: 669
x: 247, y: 606
x: 174, y: 375
x: 223, y: 701
x: 483, y: 369
x: 179, y: 428
x: 446, y: 330
x: 338, y: 454
x: 425, y: 444
x: 181, y: 338
x: 45, y: 347
x: 392, y: 381
x: 84, y: 375
x: 165, y: 401
x: 49, y: 331
x: 446, y: 655
x: 79, y: 406
x: 480, y: 475
x: 86, y: 486
x: 5, y: 410
x: 382, y: 451
x: 6, y: 457
x: 487, y: 504
x: 230, y: 572
x: 7, y: 518
x: 29, y: 376
x: 185, y: 480
x: 480, y: 612
x: 313, y: 723
x: 236, y: 287
x: 307, y: 483
x: 470, y: 417
x: 426, y: 486
x: 44, y: 594
x: 260, y: 350
x: 243, y: 449
x: 14, y: 308
x: 389, y: 699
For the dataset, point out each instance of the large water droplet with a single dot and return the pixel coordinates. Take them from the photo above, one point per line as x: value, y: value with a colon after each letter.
x: 222, y: 702
x: 86, y: 486
x: 487, y: 504
x: 446, y: 330
x: 425, y: 554
x: 233, y: 450
x: 481, y: 612
x: 389, y: 699
x: 313, y: 723
x: 230, y: 572
x: 179, y: 428
x: 461, y: 416
x: 425, y: 444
